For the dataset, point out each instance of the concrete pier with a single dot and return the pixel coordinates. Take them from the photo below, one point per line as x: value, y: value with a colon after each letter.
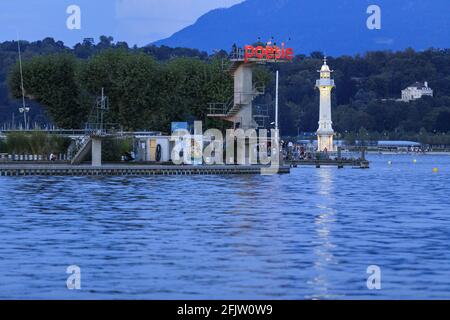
x: 128, y: 170
x: 96, y: 151
x: 340, y: 164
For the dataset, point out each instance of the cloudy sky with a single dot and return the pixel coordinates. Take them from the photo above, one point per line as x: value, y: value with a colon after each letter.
x: 135, y: 21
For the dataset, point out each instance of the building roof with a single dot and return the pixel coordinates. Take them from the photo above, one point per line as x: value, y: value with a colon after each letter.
x: 325, y: 67
x: 398, y: 144
x: 418, y: 85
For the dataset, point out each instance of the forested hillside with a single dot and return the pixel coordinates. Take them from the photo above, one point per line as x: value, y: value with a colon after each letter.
x: 150, y: 87
x: 334, y: 26
x: 366, y: 89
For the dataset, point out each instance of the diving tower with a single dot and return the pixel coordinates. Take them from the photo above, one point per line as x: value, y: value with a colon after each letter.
x: 239, y: 109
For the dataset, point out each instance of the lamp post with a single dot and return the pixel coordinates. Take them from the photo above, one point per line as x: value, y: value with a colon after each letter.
x: 23, y: 109
x: 277, y: 131
x: 276, y: 101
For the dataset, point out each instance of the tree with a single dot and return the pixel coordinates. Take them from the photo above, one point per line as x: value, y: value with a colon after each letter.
x: 51, y: 81
x: 194, y: 84
x: 133, y: 83
x: 105, y: 42
x: 443, y: 121
x: 363, y: 136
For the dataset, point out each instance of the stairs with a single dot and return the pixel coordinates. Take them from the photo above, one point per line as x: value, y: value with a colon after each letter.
x: 261, y: 116
x: 234, y: 66
x: 232, y: 108
x: 83, y: 151
x: 228, y: 110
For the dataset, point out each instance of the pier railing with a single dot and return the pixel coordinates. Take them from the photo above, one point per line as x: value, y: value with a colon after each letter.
x: 103, y: 129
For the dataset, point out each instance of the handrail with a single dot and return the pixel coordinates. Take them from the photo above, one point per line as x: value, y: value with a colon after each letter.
x: 102, y: 129
x: 237, y: 100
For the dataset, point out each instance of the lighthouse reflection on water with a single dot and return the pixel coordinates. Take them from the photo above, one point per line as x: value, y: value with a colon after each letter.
x: 323, y: 245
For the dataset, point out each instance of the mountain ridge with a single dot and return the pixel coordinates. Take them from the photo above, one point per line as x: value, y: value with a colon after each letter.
x: 331, y: 26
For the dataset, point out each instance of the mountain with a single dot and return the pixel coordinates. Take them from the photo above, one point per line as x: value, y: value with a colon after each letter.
x: 332, y: 26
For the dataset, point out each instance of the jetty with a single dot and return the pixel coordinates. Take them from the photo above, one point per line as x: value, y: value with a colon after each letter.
x: 24, y: 169
x: 340, y: 164
x: 320, y: 159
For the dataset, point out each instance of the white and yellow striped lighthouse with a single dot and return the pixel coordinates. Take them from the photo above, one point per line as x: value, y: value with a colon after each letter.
x: 325, y: 133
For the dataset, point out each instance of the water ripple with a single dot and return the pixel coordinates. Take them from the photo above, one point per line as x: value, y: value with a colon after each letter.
x: 311, y: 234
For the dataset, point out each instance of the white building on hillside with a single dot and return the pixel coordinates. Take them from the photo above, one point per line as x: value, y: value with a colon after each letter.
x: 416, y: 91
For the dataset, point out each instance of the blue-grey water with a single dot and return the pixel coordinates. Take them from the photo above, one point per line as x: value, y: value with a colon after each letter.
x: 308, y: 235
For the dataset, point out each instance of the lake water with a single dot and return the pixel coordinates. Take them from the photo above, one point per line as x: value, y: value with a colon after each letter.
x: 311, y: 234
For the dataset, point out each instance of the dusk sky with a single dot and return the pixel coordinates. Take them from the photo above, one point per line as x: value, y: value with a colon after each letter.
x: 135, y: 21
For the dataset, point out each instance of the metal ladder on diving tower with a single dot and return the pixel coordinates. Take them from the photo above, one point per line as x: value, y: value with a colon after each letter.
x: 95, y: 132
x: 245, y: 92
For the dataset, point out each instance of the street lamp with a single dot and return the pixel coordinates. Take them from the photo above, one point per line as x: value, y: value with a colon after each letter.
x: 25, y: 110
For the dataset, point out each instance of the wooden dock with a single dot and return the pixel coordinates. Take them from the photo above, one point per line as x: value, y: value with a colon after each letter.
x: 22, y: 169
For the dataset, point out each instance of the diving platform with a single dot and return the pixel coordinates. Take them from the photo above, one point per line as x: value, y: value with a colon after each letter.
x: 239, y: 108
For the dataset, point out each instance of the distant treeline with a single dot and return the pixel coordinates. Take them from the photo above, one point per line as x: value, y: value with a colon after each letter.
x: 366, y: 89
x: 150, y: 87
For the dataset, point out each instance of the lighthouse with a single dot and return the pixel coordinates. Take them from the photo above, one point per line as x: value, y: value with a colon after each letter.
x: 325, y: 132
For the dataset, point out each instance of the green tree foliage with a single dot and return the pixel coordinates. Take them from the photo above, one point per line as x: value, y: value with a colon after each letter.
x: 363, y: 136
x: 143, y: 94
x: 36, y: 143
x: 51, y: 81
x: 132, y: 82
x: 114, y: 149
x: 366, y: 91
x: 84, y: 50
x: 192, y: 84
x: 17, y: 143
x: 2, y: 146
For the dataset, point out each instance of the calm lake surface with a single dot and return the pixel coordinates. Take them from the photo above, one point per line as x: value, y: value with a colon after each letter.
x: 308, y: 235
